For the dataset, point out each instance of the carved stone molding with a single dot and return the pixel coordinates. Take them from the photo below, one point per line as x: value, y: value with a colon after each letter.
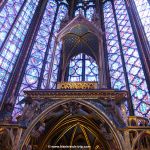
x: 106, y: 95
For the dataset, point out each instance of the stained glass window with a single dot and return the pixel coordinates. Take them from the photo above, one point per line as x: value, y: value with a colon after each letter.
x: 86, y: 8
x: 11, y: 47
x: 132, y: 62
x: 78, y: 11
x: 136, y: 77
x: 143, y: 7
x: 55, y: 54
x: 83, y: 68
x: 43, y: 45
x: 114, y: 56
x: 90, y: 13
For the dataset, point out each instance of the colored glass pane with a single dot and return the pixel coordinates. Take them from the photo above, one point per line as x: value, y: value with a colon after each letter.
x: 113, y: 50
x: 114, y: 56
x: 7, y: 17
x: 32, y: 73
x: 86, y: 8
x: 41, y: 45
x: 83, y: 68
x: 56, y: 57
x: 12, y: 46
x: 136, y: 78
x: 143, y: 7
x: 90, y: 13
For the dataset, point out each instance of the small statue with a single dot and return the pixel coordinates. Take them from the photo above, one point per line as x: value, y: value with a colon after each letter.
x: 31, y: 106
x: 5, y: 115
x: 116, y: 113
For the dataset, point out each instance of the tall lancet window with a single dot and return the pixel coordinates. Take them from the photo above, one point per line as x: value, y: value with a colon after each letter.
x: 123, y: 56
x: 143, y: 7
x: 83, y: 68
x: 42, y: 61
x: 15, y: 19
x: 86, y: 7
x: 114, y: 54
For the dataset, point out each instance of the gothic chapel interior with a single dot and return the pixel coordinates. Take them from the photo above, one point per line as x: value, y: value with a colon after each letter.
x: 75, y: 74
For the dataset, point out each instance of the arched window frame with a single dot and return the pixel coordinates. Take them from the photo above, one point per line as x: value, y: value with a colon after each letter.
x: 87, y: 66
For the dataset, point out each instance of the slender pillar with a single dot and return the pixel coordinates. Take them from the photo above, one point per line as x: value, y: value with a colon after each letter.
x: 51, y: 65
x: 72, y: 5
x: 98, y: 7
x: 108, y: 80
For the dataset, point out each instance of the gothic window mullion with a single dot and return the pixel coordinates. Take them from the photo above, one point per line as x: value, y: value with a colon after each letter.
x: 84, y: 12
x: 130, y: 105
x: 83, y: 67
x: 47, y: 50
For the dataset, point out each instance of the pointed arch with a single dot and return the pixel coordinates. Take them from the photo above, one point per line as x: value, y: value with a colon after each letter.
x: 102, y: 117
